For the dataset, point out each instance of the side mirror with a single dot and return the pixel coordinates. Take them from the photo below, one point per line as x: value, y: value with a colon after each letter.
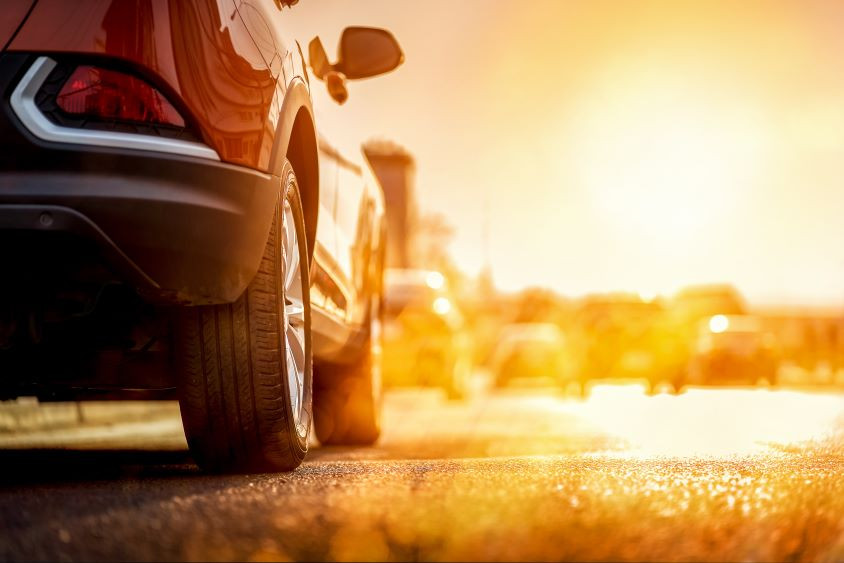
x: 367, y: 51
x: 364, y: 52
x: 318, y: 58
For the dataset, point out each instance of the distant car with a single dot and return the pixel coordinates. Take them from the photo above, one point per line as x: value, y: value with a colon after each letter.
x: 622, y: 336
x: 425, y: 340
x: 530, y: 350
x: 733, y: 349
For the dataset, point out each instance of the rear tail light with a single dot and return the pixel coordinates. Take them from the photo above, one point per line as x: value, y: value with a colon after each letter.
x: 111, y: 95
x: 89, y: 96
x: 99, y: 104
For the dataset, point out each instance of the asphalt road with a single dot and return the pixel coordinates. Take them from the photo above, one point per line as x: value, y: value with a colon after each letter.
x: 520, y: 475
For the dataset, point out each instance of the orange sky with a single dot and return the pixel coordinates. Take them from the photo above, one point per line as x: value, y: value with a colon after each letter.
x: 632, y: 146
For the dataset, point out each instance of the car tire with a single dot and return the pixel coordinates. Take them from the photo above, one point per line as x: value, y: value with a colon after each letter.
x: 347, y: 398
x: 244, y: 369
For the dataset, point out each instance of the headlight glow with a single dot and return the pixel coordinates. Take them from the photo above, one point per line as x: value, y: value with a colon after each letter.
x: 441, y: 305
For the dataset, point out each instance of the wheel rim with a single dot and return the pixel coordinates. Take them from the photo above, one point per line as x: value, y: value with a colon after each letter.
x: 294, y: 319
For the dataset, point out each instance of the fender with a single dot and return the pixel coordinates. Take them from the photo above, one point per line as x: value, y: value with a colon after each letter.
x: 295, y: 140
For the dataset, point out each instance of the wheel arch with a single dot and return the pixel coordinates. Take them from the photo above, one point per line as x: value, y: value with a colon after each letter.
x: 296, y: 141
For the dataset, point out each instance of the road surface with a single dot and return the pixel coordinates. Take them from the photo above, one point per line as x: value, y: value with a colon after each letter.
x: 524, y: 474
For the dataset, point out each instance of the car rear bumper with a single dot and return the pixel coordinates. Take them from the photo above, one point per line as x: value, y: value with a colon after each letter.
x: 194, y: 237
x: 735, y: 368
x: 181, y: 229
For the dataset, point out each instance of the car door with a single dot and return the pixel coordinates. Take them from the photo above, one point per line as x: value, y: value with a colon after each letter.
x: 326, y: 292
x: 355, y: 231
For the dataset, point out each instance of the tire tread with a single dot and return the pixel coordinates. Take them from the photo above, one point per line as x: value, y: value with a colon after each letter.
x: 233, y: 392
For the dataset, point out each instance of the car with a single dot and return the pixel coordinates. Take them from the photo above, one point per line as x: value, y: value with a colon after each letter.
x: 531, y: 350
x: 174, y: 224
x: 733, y: 349
x: 623, y: 336
x: 426, y: 342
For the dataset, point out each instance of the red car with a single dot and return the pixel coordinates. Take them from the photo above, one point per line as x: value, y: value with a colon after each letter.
x: 173, y: 225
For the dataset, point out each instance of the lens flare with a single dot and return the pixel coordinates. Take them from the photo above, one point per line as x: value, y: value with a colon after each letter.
x: 719, y: 324
x: 435, y: 280
x: 441, y: 305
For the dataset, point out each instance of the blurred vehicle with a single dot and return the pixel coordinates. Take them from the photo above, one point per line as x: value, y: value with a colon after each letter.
x: 530, y: 350
x: 425, y: 338
x: 622, y: 336
x: 683, y: 315
x: 733, y: 349
x: 697, y: 302
x: 177, y: 227
x: 811, y: 340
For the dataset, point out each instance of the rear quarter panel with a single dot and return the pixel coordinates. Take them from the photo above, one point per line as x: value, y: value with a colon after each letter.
x: 201, y: 50
x: 350, y: 201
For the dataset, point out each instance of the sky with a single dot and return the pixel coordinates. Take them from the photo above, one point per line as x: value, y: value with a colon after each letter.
x: 616, y: 146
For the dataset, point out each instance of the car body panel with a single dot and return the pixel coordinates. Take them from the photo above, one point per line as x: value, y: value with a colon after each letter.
x: 349, y: 234
x: 12, y: 15
x: 358, y: 209
x: 212, y: 63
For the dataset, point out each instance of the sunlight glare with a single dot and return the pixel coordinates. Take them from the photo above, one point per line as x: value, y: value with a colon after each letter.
x: 663, y: 157
x: 711, y: 422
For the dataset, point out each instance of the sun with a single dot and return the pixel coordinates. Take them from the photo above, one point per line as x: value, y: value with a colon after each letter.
x: 663, y: 157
